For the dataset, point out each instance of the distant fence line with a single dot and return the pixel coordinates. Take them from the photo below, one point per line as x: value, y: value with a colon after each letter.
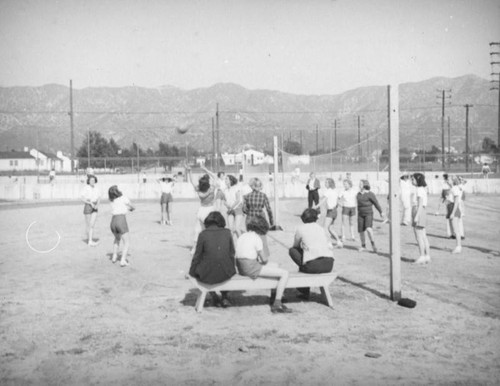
x: 27, y: 189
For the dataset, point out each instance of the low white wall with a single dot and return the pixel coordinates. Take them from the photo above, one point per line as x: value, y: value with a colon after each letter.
x: 30, y: 190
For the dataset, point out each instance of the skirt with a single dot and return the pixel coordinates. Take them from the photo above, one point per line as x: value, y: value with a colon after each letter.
x: 88, y: 209
x: 119, y: 225
x: 422, y: 221
x: 248, y: 267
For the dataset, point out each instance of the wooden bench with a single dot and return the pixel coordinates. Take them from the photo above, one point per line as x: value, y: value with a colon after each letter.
x: 242, y: 283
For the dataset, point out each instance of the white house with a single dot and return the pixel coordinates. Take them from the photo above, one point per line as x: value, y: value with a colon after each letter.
x: 230, y: 159
x: 47, y: 161
x: 17, y: 160
x: 65, y: 162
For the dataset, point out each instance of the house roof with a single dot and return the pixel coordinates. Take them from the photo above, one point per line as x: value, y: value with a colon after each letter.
x: 48, y: 154
x: 15, y: 155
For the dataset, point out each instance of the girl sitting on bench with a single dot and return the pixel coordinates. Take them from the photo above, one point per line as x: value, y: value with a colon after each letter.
x: 213, y: 259
x: 311, y: 249
x: 252, y: 261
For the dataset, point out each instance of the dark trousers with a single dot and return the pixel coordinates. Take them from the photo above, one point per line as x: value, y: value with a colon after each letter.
x: 312, y: 197
x: 318, y: 265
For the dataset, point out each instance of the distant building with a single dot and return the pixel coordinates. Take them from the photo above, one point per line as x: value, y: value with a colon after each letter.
x: 17, y: 160
x: 65, y: 162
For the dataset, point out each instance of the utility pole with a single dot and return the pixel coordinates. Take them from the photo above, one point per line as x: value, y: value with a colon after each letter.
x: 359, y: 138
x: 449, y: 144
x: 317, y: 139
x: 218, y: 136
x: 88, y: 147
x: 443, y: 97
x: 72, y: 144
x: 335, y: 137
x: 213, y: 145
x: 467, y: 106
x: 495, y: 71
x: 301, y: 145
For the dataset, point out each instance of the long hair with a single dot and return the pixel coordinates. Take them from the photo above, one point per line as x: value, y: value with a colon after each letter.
x: 232, y: 180
x: 420, y: 180
x: 89, y: 177
x: 114, y: 193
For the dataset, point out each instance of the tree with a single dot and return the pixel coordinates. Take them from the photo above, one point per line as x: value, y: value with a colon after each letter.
x: 489, y: 146
x: 292, y: 147
x: 98, y: 147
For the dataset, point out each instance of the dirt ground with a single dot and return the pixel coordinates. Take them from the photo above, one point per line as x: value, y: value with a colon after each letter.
x: 71, y: 317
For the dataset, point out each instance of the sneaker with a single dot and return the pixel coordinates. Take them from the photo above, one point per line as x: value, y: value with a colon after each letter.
x: 422, y: 260
x: 225, y: 303
x: 340, y: 244
x: 124, y: 263
x: 162, y: 222
x: 457, y: 250
x: 375, y: 250
x: 113, y: 259
x: 361, y: 249
x: 93, y: 244
x: 453, y: 237
x: 280, y: 309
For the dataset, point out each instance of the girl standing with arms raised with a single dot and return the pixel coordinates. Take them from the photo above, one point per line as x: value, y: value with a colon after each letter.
x: 120, y: 205
x: 419, y: 217
x: 166, y: 187
x: 206, y: 193
x: 91, y: 197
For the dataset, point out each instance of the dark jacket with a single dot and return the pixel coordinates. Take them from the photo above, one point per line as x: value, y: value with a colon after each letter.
x: 213, y: 261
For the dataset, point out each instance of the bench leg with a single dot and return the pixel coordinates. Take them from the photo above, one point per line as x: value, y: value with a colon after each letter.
x: 326, y: 294
x: 200, y: 302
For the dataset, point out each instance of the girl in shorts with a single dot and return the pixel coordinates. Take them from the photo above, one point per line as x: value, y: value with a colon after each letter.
x: 455, y: 212
x: 348, y: 202
x: 234, y: 204
x: 91, y: 197
x: 419, y: 217
x: 331, y: 198
x: 120, y: 205
x: 166, y: 187
x: 366, y: 201
x: 251, y: 260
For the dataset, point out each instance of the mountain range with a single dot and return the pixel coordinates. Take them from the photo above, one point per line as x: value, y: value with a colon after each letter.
x: 39, y: 116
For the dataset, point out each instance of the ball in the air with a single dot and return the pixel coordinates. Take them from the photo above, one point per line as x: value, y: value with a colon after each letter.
x: 181, y: 130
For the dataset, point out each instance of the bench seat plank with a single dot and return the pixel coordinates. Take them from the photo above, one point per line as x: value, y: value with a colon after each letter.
x: 242, y: 283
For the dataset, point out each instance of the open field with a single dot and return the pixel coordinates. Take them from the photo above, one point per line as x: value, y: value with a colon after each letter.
x: 72, y: 317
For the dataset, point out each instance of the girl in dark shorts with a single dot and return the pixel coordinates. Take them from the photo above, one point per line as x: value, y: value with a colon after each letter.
x: 120, y: 205
x: 166, y: 187
x: 366, y: 200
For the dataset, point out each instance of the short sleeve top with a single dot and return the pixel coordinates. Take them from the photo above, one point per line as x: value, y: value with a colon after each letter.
x: 119, y: 205
x: 248, y: 246
x: 332, y: 198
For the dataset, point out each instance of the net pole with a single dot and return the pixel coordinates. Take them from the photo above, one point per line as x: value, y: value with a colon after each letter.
x: 275, y: 180
x: 394, y: 193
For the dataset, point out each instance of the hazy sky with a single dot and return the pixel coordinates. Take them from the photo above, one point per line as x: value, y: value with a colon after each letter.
x: 297, y: 46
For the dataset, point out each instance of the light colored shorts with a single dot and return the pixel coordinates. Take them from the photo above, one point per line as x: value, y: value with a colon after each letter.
x: 248, y: 267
